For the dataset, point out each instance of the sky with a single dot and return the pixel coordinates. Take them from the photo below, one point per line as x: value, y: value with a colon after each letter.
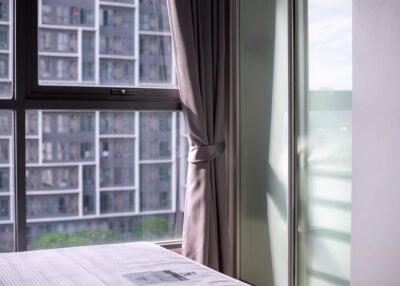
x: 330, y: 44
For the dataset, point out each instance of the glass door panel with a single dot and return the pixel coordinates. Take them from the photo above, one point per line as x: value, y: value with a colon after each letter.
x: 324, y: 87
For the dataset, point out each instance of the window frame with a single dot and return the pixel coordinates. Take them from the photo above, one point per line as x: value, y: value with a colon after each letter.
x: 28, y: 94
x: 164, y: 97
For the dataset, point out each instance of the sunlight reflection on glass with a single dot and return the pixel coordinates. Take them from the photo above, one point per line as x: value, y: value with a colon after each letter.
x: 326, y: 173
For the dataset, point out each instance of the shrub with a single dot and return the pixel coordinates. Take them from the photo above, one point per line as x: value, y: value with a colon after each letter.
x: 152, y: 228
x: 3, y: 248
x: 64, y: 239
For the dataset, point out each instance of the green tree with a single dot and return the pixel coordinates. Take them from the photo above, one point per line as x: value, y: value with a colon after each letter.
x: 99, y: 235
x: 3, y: 248
x: 64, y: 239
x: 152, y: 228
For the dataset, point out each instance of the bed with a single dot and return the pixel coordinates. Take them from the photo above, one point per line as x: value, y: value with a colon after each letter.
x: 136, y: 263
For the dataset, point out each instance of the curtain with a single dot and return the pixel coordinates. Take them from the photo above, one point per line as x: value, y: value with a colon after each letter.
x: 201, y: 32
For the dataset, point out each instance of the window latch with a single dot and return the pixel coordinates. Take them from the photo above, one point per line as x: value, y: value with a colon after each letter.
x: 123, y: 91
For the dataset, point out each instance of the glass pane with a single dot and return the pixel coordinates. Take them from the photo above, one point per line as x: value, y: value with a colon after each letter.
x: 6, y: 184
x: 325, y: 140
x: 6, y: 49
x: 104, y: 43
x: 103, y: 176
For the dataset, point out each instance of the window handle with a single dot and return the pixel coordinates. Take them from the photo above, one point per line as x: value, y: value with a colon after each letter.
x: 123, y: 91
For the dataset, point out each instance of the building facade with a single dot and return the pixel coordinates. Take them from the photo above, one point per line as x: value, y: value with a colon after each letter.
x: 96, y: 176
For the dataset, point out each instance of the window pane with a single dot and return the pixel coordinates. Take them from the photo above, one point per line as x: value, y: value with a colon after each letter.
x: 6, y: 184
x: 104, y: 43
x: 155, y: 139
x: 326, y: 142
x: 6, y: 49
x: 103, y: 176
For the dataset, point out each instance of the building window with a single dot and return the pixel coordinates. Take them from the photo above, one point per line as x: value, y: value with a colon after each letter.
x: 4, y: 10
x: 4, y: 208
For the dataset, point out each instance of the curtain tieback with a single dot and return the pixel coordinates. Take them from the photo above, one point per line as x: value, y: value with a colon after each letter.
x: 206, y: 152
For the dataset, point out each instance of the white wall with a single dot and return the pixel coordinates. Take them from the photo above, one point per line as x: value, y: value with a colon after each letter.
x: 376, y: 143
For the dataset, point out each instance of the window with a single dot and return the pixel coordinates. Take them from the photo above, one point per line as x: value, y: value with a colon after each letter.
x: 325, y: 131
x: 6, y: 49
x: 95, y: 162
x: 6, y: 184
x: 155, y: 138
x: 113, y: 190
x: 77, y: 49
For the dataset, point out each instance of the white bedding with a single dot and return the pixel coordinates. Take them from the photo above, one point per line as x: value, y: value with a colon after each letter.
x: 137, y: 263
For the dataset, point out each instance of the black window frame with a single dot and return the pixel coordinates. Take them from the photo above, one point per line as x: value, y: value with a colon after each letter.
x: 28, y: 94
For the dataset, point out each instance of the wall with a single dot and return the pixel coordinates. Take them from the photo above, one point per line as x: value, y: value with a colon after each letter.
x: 263, y: 95
x: 376, y: 137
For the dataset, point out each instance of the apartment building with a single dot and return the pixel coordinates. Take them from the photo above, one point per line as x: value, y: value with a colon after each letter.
x: 119, y: 43
x: 107, y: 175
x: 6, y: 31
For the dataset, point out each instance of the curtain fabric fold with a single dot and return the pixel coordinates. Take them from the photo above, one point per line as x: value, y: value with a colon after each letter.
x: 201, y: 40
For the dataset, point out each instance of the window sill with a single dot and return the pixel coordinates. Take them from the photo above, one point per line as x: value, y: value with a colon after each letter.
x: 175, y: 245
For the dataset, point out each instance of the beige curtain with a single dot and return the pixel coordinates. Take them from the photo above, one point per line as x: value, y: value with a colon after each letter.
x: 201, y: 40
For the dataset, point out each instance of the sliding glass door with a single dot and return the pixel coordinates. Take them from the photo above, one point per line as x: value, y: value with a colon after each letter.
x: 324, y: 141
